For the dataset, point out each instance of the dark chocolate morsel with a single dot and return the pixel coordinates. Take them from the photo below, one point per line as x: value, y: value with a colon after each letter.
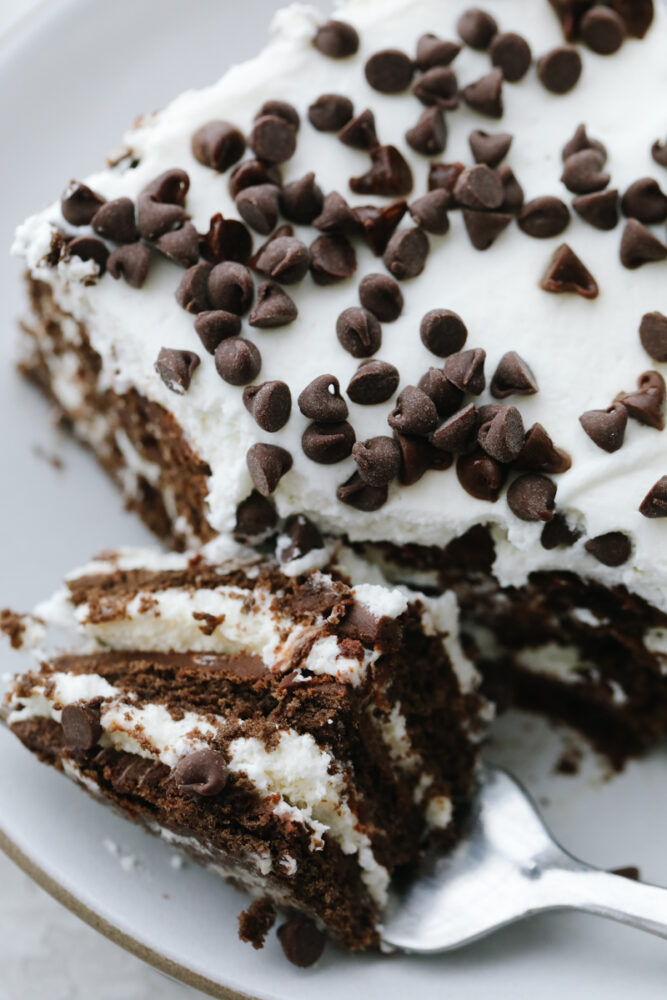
x: 419, y: 456
x: 443, y: 177
x: 647, y: 403
x: 389, y: 71
x: 273, y: 139
x: 443, y: 332
x: 513, y: 197
x: 476, y: 28
x: 285, y: 259
x: 433, y: 51
x: 237, y: 361
x: 79, y: 204
x: 606, y: 428
x: 602, y: 30
x: 481, y: 476
x: 544, y: 217
x: 255, y: 516
x: 230, y: 287
x: 273, y: 308
x: 557, y: 533
x: 511, y: 54
x: 382, y: 296
x: 567, y: 273
x: 560, y: 69
x: 336, y: 39
x: 598, y: 209
x: 458, y: 434
x: 328, y: 444
x: 281, y: 109
x: 539, y: 454
x: 483, y: 228
x: 446, y: 396
x: 512, y: 376
x: 479, y: 187
x: 337, y: 217
x: 637, y: 15
x: 654, y: 503
x: 360, y: 132
x: 304, y: 538
x: 429, y: 135
x: 180, y: 245
x: 653, y: 335
x: 486, y: 94
x: 406, y: 253
x: 252, y: 172
x: 270, y: 403
x: 465, y: 369
x: 503, y: 436
x: 115, y: 221
x: 130, y: 262
x: 639, y: 246
x: 644, y: 200
x: 374, y: 382
x: 218, y: 145
x: 359, y: 332
x: 532, y: 497
x: 302, y: 201
x: 203, y: 773
x: 332, y: 259
x: 81, y: 727
x: 322, y: 402
x: 160, y: 204
x: 226, y: 240
x: 214, y: 325
x: 330, y: 112
x: 358, y: 494
x: 581, y: 141
x: 176, y: 368
x: 430, y: 212
x: 659, y: 153
x: 390, y: 174
x: 267, y: 464
x: 582, y: 172
x: 192, y: 292
x: 378, y: 224
x: 414, y: 413
x: 612, y: 549
x: 378, y: 460
x: 258, y: 206
x: 438, y: 88
x: 489, y: 149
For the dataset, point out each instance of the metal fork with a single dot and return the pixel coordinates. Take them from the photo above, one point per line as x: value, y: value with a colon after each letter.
x: 507, y: 867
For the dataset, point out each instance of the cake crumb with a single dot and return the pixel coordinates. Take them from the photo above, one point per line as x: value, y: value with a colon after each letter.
x: 256, y: 922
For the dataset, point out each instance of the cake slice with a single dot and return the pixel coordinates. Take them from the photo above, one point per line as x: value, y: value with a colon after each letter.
x: 301, y: 731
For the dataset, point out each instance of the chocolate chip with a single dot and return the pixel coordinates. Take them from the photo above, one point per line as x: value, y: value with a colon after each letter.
x: 465, y: 370
x: 612, y: 549
x: 336, y: 39
x: 599, y: 209
x: 580, y: 141
x: 192, y: 292
x: 443, y: 176
x: 481, y: 476
x: 557, y: 532
x: 436, y: 385
x: 378, y: 224
x: 443, y: 332
x: 302, y: 201
x: 280, y: 109
x: 360, y: 132
x: 230, y: 287
x: 267, y: 464
x: 639, y: 246
x: 176, y: 368
x: 273, y: 307
x: 583, y: 172
x: 270, y: 403
x: 602, y: 30
x: 560, y: 69
x: 390, y: 174
x: 406, y: 253
x: 539, y: 453
x: 419, y: 456
x: 358, y: 494
x: 653, y: 335
x: 237, y: 361
x: 433, y: 51
x: 373, y: 382
x: 458, y: 434
x: 486, y: 94
x: 285, y: 260
x: 512, y: 190
x: 201, y: 773
x: 328, y: 444
x: 226, y: 239
x: 429, y: 135
x: 180, y: 245
x: 258, y: 206
x: 567, y: 273
x: 439, y: 88
x: 273, y: 139
x: 479, y: 187
x: 160, y: 204
x: 304, y: 538
x: 337, y: 217
x: 532, y: 498
x: 606, y: 428
x: 218, y: 145
x: 476, y: 28
x: 79, y: 204
x: 414, y: 413
x: 430, y: 212
x: 214, y: 325
x: 255, y: 516
x: 645, y: 201
x: 512, y: 376
x: 489, y: 149
x: 332, y: 259
x: 647, y: 403
x: 81, y: 726
x: 252, y: 172
x: 511, y: 54
x: 378, y: 460
x: 544, y: 217
x: 389, y: 71
x: 115, y: 221
x: 654, y: 503
x: 322, y: 402
x: 359, y: 332
x: 382, y: 296
x: 483, y: 228
x: 637, y: 15
x: 89, y: 248
x: 330, y: 112
x: 503, y: 436
x: 659, y: 152
x: 131, y: 262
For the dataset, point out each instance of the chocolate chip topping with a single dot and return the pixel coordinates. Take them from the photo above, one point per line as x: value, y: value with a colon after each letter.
x: 653, y: 335
x: 476, y: 28
x: 443, y: 176
x: 486, y: 94
x: 511, y: 54
x: 465, y: 370
x: 374, y: 382
x: 270, y: 403
x: 637, y: 15
x: 252, y: 172
x: 390, y: 174
x: 230, y: 287
x: 358, y: 494
x: 176, y: 368
x: 512, y: 190
x: 639, y: 246
x: 336, y: 39
x: 612, y: 549
x: 436, y: 385
x: 659, y: 153
x: 606, y: 428
x: 567, y: 273
x: 414, y: 413
x: 557, y: 532
x: 602, y: 30
x: 322, y: 402
x: 419, y: 456
x: 532, y: 498
x: 81, y: 727
x: 433, y: 51
x: 443, y: 332
x: 267, y: 464
x: 645, y: 201
x: 330, y: 112
x: 429, y: 135
x: 389, y: 71
x: 382, y: 296
x: 203, y: 773
x: 378, y: 460
x: 430, y: 212
x: 489, y: 149
x: 332, y: 259
x: 479, y: 187
x: 581, y: 141
x: 160, y: 204
x: 503, y: 436
x: 281, y: 109
x: 79, y: 204
x: 598, y: 209
x: 438, y: 88
x: 406, y: 253
x: 192, y: 293
x: 328, y: 444
x: 654, y: 503
x: 560, y: 69
x: 214, y: 325
x: 255, y: 516
x: 226, y: 239
x: 238, y: 361
x: 89, y: 248
x: 273, y: 139
x: 360, y: 132
x: 583, y: 172
x: 378, y: 224
x: 258, y: 206
x: 304, y: 535
x: 458, y: 434
x: 285, y: 259
x: 273, y: 307
x: 115, y: 221
x: 359, y: 332
x: 130, y: 262
x: 647, y: 403
x: 483, y: 228
x: 512, y: 376
x: 544, y: 217
x: 218, y: 145
x: 302, y: 201
x: 337, y: 217
x: 481, y: 476
x: 539, y: 454
x: 181, y: 245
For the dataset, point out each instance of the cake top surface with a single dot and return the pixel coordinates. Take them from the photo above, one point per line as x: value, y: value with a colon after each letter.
x: 581, y: 350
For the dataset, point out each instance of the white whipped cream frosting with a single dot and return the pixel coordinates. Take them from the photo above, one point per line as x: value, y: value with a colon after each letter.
x: 582, y: 352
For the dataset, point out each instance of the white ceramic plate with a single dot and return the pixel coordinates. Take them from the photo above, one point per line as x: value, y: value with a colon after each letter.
x: 72, y: 78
